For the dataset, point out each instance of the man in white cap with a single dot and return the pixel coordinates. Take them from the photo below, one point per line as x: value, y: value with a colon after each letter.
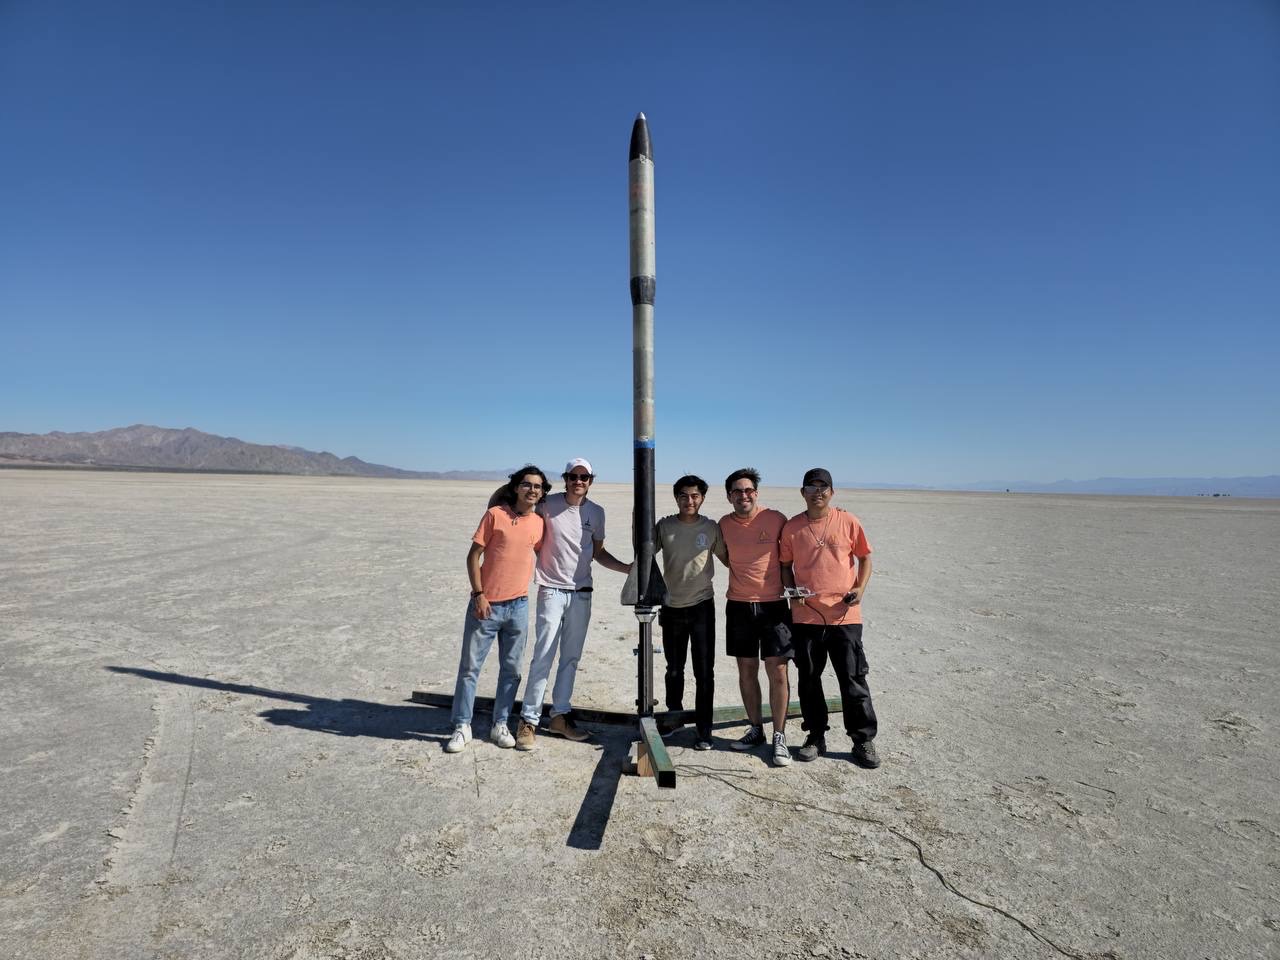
x: 574, y: 537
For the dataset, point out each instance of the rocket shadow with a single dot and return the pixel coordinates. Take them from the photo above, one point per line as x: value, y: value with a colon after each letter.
x: 587, y: 832
x: 343, y: 718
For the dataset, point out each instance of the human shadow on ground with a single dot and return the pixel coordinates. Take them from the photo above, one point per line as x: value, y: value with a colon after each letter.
x: 362, y: 718
x: 343, y: 718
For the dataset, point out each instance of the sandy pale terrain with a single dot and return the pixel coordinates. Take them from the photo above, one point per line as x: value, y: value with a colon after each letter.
x: 207, y: 748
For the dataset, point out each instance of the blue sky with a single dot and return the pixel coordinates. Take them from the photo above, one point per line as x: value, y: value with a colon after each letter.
x: 913, y: 242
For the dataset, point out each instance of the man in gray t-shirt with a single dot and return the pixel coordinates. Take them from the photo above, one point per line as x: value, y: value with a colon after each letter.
x: 688, y: 541
x: 574, y: 537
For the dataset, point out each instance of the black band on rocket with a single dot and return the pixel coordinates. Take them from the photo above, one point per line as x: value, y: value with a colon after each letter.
x: 643, y: 289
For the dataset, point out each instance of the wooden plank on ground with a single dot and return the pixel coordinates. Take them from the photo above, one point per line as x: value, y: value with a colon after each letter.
x: 652, y: 757
x: 723, y: 715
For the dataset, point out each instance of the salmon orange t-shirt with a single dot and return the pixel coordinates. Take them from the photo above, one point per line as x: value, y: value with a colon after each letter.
x: 509, y: 540
x: 755, y: 575
x: 823, y: 555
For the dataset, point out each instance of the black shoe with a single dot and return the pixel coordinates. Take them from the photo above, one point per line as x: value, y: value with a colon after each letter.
x: 815, y: 745
x: 667, y: 725
x: 865, y: 755
x: 753, y: 738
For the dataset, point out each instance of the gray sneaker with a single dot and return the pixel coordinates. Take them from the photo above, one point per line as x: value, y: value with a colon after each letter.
x: 865, y: 755
x: 781, y: 755
x: 815, y: 745
x: 753, y: 738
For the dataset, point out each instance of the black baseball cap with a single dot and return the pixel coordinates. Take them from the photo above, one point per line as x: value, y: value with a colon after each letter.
x: 817, y: 475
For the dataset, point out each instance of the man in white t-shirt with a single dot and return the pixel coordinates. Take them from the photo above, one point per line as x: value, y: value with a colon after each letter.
x: 574, y: 537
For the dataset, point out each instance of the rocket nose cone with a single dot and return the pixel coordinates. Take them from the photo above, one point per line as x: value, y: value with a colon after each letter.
x: 640, y: 145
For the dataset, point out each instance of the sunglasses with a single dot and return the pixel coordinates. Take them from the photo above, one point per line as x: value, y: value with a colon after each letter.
x: 742, y: 491
x: 580, y: 477
x: 815, y: 488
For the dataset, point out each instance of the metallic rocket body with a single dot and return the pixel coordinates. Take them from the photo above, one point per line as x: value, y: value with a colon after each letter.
x: 643, y: 283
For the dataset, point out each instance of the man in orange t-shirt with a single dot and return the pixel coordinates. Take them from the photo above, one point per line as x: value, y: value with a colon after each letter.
x: 757, y: 622
x: 824, y: 550
x: 509, y: 534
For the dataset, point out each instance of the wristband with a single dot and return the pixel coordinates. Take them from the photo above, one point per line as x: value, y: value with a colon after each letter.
x: 476, y: 593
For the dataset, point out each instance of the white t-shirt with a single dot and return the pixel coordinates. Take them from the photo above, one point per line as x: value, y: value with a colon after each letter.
x: 565, y: 558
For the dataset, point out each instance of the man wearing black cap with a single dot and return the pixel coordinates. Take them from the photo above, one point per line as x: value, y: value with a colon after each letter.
x: 824, y: 551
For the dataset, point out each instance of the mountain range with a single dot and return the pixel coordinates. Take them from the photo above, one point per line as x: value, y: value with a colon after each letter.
x: 142, y: 447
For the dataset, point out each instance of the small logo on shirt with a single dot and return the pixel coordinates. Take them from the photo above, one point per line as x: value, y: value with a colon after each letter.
x: 702, y: 541
x: 764, y: 537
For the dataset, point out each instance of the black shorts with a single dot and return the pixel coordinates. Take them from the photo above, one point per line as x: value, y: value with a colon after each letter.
x: 758, y: 629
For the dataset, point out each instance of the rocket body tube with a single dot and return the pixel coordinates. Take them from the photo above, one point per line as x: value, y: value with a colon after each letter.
x: 643, y: 284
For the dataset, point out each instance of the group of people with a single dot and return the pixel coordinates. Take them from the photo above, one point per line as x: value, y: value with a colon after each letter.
x: 795, y: 594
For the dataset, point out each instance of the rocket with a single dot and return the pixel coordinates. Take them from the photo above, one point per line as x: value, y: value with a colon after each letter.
x: 643, y: 283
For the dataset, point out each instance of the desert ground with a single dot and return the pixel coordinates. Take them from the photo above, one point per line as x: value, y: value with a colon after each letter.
x: 208, y: 749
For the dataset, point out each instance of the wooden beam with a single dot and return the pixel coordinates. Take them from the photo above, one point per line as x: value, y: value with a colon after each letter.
x: 652, y: 758
x: 725, y: 715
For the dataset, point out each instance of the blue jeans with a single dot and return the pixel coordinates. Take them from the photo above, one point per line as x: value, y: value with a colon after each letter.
x: 509, y: 622
x: 562, y: 620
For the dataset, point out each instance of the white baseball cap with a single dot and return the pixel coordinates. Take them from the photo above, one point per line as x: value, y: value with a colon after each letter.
x: 578, y: 462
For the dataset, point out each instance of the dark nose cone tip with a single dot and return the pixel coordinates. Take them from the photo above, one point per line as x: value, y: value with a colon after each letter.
x: 640, y: 145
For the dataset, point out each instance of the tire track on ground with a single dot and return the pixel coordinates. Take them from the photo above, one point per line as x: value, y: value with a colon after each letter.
x: 110, y: 587
x: 147, y: 838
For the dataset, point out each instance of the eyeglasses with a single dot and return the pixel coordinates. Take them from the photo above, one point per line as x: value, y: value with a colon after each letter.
x: 580, y: 477
x: 742, y: 492
x: 526, y: 485
x: 813, y: 489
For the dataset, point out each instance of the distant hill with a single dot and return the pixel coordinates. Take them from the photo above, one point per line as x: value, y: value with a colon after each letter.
x: 160, y: 448
x: 1144, y: 486
x: 1261, y: 487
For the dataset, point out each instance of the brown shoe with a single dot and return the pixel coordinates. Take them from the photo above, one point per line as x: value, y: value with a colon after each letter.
x: 525, y: 735
x: 564, y: 726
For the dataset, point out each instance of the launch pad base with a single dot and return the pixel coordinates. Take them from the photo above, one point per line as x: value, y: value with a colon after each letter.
x: 649, y: 757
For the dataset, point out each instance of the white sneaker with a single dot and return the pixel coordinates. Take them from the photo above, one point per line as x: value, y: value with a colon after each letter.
x: 461, y: 737
x: 502, y: 736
